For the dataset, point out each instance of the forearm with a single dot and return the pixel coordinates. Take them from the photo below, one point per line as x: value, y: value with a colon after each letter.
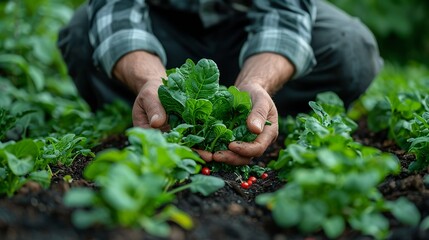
x: 138, y: 68
x: 268, y: 70
x: 118, y: 28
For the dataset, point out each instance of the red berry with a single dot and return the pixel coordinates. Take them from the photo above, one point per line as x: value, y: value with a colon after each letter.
x: 249, y: 182
x: 205, y: 171
x: 252, y: 178
x: 245, y: 185
x: 264, y: 175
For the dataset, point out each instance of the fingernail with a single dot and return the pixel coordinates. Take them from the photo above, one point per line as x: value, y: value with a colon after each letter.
x: 154, y: 118
x: 256, y: 122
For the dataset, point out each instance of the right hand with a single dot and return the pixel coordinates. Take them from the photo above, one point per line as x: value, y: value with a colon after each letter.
x: 148, y: 111
x: 142, y: 72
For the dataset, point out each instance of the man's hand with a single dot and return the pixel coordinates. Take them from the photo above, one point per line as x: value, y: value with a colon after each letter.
x: 241, y: 153
x: 142, y: 73
x: 262, y: 75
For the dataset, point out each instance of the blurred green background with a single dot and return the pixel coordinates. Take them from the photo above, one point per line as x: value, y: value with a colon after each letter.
x: 400, y: 26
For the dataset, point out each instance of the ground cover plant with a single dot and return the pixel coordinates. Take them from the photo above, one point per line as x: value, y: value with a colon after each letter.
x: 68, y: 173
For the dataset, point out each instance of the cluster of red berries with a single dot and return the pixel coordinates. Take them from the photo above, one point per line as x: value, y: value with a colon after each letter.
x: 251, y: 180
x: 244, y: 184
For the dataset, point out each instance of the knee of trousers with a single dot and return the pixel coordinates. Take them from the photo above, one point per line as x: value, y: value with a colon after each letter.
x: 73, y: 42
x: 358, y: 60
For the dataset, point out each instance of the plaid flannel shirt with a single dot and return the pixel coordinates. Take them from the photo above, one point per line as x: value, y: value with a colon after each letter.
x: 284, y: 27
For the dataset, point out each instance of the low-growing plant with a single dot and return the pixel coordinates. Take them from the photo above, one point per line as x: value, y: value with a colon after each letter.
x: 397, y: 102
x: 136, y: 185
x: 331, y: 179
x: 18, y: 166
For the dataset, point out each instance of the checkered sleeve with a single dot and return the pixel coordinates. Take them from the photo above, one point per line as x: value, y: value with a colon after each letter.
x: 282, y: 27
x: 118, y: 27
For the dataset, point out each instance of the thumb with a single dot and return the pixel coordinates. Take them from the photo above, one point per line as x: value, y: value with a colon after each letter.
x: 258, y: 116
x: 156, y: 114
x: 148, y: 112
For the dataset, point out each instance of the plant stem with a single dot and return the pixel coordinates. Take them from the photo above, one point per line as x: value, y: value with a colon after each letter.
x: 181, y: 188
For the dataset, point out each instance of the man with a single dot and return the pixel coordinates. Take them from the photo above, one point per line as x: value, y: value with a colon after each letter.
x: 282, y: 52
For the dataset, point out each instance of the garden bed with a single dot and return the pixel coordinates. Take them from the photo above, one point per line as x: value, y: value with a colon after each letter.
x: 230, y: 213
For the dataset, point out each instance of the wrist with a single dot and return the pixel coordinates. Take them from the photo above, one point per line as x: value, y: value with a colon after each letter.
x: 268, y: 70
x: 138, y: 68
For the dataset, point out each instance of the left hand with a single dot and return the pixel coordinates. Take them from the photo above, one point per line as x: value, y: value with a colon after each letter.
x: 241, y: 153
x: 262, y: 75
x: 264, y: 109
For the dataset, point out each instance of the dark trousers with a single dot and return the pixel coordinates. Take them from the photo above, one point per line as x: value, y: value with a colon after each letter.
x: 346, y: 53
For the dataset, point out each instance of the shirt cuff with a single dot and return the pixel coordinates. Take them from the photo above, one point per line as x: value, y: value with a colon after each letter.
x: 114, y: 47
x: 283, y: 42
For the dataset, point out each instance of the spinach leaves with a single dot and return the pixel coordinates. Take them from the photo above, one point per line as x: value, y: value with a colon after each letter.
x: 202, y: 113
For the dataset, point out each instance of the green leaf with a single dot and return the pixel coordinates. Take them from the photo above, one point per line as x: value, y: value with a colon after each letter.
x: 172, y: 101
x: 206, y: 185
x: 242, y: 133
x: 179, y: 217
x: 203, y: 82
x: 24, y: 148
x: 146, y: 138
x: 101, y: 164
x: 334, y: 226
x: 3, y: 173
x: 119, y: 188
x: 197, y: 111
x: 424, y: 225
x: 222, y: 107
x: 86, y: 218
x: 19, y: 166
x: 287, y: 213
x: 156, y: 228
x: 190, y: 140
x: 42, y: 177
x: 219, y: 134
x: 79, y: 197
x: 373, y: 224
x: 405, y: 211
x: 37, y: 77
x: 188, y: 165
x: 6, y: 59
x: 316, y: 127
x: 241, y: 100
x: 330, y: 103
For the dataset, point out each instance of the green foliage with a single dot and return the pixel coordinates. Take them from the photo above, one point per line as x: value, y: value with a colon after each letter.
x: 19, y: 164
x: 398, y: 102
x: 39, y: 105
x: 399, y: 26
x: 204, y: 114
x: 332, y: 180
x: 137, y: 184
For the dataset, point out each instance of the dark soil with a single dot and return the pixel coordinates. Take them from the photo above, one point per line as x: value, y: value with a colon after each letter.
x: 230, y: 213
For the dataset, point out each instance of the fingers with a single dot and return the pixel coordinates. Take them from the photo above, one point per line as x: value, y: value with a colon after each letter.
x: 257, y: 147
x: 148, y: 111
x: 205, y: 155
x: 261, y: 110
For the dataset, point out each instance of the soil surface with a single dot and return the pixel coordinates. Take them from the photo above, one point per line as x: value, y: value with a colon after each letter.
x: 230, y: 213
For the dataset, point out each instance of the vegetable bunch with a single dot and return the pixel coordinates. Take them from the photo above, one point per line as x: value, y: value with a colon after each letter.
x: 202, y: 113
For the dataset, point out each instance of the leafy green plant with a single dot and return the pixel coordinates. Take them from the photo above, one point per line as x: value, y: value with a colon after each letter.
x: 331, y: 179
x: 202, y: 113
x: 398, y: 103
x: 18, y: 166
x: 137, y: 184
